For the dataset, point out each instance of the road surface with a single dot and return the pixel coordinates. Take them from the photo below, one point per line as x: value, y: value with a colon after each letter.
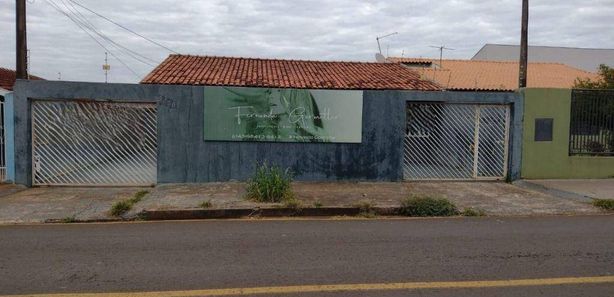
x: 532, y: 256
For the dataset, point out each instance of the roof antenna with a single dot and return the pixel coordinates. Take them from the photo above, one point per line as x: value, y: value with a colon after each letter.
x: 441, y: 48
x: 382, y: 37
x: 106, y: 67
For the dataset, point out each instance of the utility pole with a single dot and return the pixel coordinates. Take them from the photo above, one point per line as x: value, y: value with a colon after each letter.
x: 22, y: 47
x: 524, y: 47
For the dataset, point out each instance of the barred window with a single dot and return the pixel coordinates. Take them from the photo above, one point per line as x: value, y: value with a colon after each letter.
x: 591, y: 129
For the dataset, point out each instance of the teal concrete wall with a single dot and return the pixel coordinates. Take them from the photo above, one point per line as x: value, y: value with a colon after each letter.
x: 551, y: 159
x: 9, y: 137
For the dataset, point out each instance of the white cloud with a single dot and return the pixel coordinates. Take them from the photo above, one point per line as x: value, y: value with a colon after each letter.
x: 324, y: 29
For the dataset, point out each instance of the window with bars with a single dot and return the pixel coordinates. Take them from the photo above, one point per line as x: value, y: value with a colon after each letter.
x: 591, y: 129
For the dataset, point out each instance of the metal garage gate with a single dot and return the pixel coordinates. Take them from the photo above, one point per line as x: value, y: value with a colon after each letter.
x: 93, y: 143
x: 456, y: 141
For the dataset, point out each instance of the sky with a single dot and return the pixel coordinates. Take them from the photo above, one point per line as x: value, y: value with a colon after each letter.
x: 315, y: 30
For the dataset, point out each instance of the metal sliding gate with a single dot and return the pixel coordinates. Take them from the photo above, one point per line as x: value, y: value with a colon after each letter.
x: 456, y: 141
x: 93, y: 143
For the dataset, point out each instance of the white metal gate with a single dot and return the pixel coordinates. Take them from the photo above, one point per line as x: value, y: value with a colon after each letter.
x: 456, y: 141
x: 93, y: 143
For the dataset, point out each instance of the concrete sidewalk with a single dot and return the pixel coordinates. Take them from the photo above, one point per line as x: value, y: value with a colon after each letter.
x: 35, y: 205
x: 589, y: 188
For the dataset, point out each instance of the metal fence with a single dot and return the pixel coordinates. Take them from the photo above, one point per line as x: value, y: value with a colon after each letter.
x: 456, y: 141
x: 592, y: 123
x: 93, y: 143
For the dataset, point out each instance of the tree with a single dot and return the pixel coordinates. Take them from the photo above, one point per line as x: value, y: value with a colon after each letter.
x: 605, y: 81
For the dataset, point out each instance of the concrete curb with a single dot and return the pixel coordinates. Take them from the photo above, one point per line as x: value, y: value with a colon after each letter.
x: 194, y: 214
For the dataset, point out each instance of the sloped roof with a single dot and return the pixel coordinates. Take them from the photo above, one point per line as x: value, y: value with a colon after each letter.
x: 469, y: 75
x: 253, y: 72
x: 587, y: 59
x: 7, y: 78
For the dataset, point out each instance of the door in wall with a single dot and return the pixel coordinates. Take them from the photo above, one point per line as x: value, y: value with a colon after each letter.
x: 456, y: 141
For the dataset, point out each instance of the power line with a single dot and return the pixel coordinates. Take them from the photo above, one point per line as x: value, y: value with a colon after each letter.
x: 123, y: 27
x: 85, y: 22
x: 60, y: 10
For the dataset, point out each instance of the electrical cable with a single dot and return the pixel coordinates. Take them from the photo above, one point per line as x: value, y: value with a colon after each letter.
x: 60, y: 10
x: 123, y: 27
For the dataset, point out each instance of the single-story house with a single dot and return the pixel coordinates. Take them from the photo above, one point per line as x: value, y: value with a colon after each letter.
x: 277, y: 73
x: 7, y: 82
x: 587, y: 59
x: 206, y: 119
x: 492, y: 76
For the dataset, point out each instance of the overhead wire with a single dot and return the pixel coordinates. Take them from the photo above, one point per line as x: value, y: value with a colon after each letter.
x: 135, y: 55
x: 123, y: 27
x: 53, y: 4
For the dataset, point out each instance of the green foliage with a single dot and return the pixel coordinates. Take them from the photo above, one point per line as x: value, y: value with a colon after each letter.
x: 317, y: 204
x: 425, y: 206
x: 366, y: 209
x: 607, y: 204
x: 595, y: 147
x: 120, y: 207
x: 138, y: 196
x: 473, y: 212
x: 270, y: 184
x: 293, y: 204
x: 70, y: 219
x: 206, y: 204
x: 605, y: 81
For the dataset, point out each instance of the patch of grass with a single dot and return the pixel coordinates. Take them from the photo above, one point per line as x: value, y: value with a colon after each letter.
x: 138, y: 196
x: 317, y: 204
x: 366, y: 209
x: 120, y: 207
x: 206, y: 204
x: 270, y: 184
x: 70, y: 219
x: 293, y: 204
x: 426, y: 206
x: 473, y: 212
x: 607, y: 204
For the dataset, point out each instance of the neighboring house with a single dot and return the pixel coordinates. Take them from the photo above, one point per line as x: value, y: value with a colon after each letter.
x: 587, y: 59
x: 472, y: 75
x: 7, y: 80
x: 275, y: 73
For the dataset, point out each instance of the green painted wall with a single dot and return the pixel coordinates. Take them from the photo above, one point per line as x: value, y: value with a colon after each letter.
x: 550, y: 159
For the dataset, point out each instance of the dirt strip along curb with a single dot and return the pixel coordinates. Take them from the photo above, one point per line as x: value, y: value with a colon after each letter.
x: 192, y: 214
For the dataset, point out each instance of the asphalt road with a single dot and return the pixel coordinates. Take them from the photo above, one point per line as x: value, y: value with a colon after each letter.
x: 197, y: 255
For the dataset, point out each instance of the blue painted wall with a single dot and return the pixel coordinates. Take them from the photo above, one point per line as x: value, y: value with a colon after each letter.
x: 9, y: 137
x: 183, y: 155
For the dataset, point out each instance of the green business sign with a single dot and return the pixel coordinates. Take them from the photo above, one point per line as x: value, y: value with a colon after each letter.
x: 283, y: 115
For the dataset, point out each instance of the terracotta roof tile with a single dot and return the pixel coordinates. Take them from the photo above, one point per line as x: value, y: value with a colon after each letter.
x: 252, y: 72
x: 469, y: 75
x: 7, y: 78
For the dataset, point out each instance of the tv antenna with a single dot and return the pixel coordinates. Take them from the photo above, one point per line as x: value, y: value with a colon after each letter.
x: 106, y: 67
x: 379, y: 47
x: 441, y: 49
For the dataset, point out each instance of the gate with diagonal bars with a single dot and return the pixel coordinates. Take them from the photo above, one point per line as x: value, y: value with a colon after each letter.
x: 93, y: 143
x: 456, y: 141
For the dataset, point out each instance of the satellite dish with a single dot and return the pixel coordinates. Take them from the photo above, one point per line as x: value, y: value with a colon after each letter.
x: 380, y: 58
